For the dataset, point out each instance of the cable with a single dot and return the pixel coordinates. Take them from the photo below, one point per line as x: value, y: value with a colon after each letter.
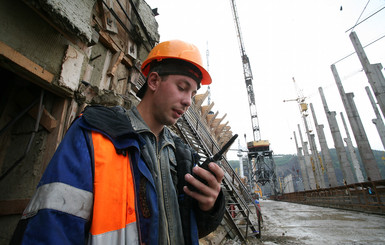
x: 363, y: 47
x: 361, y: 13
x: 351, y: 28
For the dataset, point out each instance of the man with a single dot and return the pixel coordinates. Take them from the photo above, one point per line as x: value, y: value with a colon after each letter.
x: 119, y: 177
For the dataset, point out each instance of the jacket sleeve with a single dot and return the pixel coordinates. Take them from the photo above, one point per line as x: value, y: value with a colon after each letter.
x: 60, y: 210
x: 208, y: 221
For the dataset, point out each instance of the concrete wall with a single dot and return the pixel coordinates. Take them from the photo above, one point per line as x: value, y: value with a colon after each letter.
x: 27, y: 33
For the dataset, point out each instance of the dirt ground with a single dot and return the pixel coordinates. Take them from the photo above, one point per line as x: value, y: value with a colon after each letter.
x: 289, y: 224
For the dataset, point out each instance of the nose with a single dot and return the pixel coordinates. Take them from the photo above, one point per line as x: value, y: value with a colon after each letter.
x: 186, y: 101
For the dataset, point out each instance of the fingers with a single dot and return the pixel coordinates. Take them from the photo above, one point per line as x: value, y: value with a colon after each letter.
x: 211, y: 179
x: 207, y: 194
x: 218, y: 172
x: 205, y: 202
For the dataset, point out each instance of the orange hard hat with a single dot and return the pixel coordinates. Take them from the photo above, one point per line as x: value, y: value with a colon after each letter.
x: 176, y: 49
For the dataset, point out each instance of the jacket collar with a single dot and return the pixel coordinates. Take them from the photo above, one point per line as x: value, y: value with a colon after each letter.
x: 112, y: 122
x: 140, y: 126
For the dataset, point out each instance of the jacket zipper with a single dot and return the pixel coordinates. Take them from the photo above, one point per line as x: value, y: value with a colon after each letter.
x: 161, y: 177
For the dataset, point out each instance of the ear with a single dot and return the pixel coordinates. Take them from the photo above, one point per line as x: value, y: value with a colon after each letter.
x: 153, y: 80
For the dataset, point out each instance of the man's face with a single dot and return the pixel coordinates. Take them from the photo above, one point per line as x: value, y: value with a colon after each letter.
x: 173, y: 97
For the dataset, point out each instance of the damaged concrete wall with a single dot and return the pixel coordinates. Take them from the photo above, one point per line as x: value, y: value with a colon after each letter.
x: 71, y: 16
x: 76, y: 52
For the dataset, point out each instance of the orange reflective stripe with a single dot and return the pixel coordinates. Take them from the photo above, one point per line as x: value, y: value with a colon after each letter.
x: 114, y: 198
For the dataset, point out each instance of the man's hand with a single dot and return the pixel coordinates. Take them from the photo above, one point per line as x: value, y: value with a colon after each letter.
x: 207, y: 194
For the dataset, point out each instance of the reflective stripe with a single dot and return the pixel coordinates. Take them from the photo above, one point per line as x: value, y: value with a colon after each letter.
x: 125, y: 236
x: 61, y: 197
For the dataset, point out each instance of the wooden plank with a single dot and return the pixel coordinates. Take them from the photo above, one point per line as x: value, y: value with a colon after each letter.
x: 219, y: 129
x: 109, y: 22
x: 106, y: 39
x: 119, y: 82
x: 115, y: 61
x: 47, y: 120
x: 199, y: 98
x: 54, y: 138
x: 24, y: 62
x: 105, y: 80
x: 206, y: 109
x: 8, y: 207
x: 210, y: 118
x: 72, y: 113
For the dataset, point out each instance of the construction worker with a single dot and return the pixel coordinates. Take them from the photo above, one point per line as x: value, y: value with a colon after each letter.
x: 120, y: 177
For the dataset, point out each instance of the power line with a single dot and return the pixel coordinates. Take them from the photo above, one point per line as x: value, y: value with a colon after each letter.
x: 351, y: 28
x: 363, y: 47
x: 362, y: 12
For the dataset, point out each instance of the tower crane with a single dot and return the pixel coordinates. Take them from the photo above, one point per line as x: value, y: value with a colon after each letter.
x: 248, y: 77
x: 261, y: 162
x: 316, y: 175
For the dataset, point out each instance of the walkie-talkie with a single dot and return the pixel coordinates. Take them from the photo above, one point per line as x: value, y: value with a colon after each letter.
x: 218, y: 156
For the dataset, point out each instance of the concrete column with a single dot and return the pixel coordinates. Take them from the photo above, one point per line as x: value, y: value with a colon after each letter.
x: 319, y: 179
x: 305, y: 179
x: 328, y: 163
x: 373, y: 72
x: 288, y: 184
x: 338, y: 143
x: 352, y: 152
x: 366, y: 153
x: 314, y: 153
x: 378, y: 120
x: 359, y: 133
x: 308, y: 164
x: 318, y: 170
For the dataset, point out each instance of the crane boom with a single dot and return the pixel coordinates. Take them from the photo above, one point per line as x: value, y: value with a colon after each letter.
x: 248, y: 76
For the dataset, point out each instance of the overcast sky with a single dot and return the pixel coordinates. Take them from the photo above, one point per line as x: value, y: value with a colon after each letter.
x: 283, y: 39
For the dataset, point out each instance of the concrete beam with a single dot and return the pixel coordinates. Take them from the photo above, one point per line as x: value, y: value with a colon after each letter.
x: 359, y: 133
x: 378, y: 120
x: 325, y: 150
x: 338, y: 143
x: 373, y: 72
x: 308, y: 165
x: 305, y: 179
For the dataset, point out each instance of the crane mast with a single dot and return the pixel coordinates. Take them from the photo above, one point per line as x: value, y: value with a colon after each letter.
x: 248, y: 76
x: 261, y: 166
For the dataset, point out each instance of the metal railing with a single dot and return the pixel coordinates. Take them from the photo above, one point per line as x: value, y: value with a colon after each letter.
x: 366, y: 197
x: 197, y: 134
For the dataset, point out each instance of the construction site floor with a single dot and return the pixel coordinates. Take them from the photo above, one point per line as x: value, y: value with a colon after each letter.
x: 290, y: 223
